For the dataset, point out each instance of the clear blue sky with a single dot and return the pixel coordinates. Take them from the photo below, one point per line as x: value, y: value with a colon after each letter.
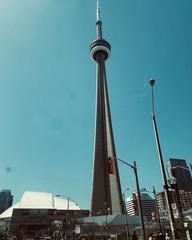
x: 47, y: 90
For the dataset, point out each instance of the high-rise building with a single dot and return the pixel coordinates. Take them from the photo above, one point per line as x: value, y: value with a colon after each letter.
x: 185, y: 199
x: 106, y: 189
x: 6, y: 200
x: 148, y: 205
x: 178, y: 168
x: 161, y: 201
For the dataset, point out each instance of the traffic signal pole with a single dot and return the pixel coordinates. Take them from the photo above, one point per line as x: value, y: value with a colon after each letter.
x: 134, y: 167
x: 126, y: 218
x: 139, y: 201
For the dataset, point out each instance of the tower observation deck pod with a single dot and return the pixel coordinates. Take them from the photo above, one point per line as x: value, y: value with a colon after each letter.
x: 106, y: 189
x: 100, y: 47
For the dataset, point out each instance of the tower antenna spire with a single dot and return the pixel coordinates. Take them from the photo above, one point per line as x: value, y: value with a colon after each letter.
x: 98, y: 21
x: 98, y: 11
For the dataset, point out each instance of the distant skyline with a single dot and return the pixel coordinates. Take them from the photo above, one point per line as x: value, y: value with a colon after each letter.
x: 47, y: 91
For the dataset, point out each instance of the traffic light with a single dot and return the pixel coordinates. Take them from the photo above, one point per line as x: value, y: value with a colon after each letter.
x: 110, y: 166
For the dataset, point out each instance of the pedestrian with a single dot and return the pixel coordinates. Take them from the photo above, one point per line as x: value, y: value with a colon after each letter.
x: 167, y: 236
x: 161, y: 236
x: 134, y: 236
x: 150, y: 236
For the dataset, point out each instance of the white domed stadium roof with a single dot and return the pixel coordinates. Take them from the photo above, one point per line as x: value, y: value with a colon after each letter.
x: 41, y: 200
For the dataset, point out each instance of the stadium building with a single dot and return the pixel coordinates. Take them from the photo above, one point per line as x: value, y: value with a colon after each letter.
x: 35, y: 213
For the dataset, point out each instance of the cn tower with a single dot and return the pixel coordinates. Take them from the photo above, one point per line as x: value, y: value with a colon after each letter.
x: 106, y: 188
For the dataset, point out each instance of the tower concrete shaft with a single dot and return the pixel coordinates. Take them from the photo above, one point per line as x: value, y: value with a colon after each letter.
x: 106, y: 189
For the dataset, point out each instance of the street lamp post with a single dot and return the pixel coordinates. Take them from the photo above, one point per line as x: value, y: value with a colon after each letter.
x: 67, y: 215
x: 171, y: 218
x: 60, y: 195
x: 68, y: 200
x: 126, y: 218
x: 139, y: 201
x: 134, y: 167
